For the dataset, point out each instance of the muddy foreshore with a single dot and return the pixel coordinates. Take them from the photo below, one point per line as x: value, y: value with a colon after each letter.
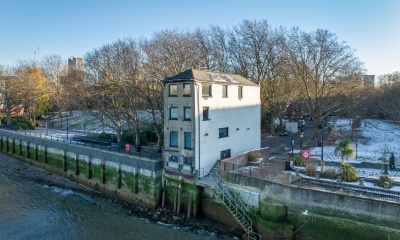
x: 17, y: 169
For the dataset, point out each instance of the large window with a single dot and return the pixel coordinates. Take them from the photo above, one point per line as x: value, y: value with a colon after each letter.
x: 186, y: 89
x: 188, y: 160
x: 173, y: 113
x: 225, y: 154
x: 187, y: 113
x: 240, y: 92
x: 173, y: 139
x: 224, y: 91
x: 206, y: 89
x: 223, y: 132
x: 206, y: 113
x: 188, y: 140
x: 173, y: 90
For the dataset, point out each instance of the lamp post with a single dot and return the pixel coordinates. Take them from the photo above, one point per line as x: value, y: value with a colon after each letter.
x: 292, y: 146
x: 301, y: 140
x: 322, y: 148
x: 67, y: 126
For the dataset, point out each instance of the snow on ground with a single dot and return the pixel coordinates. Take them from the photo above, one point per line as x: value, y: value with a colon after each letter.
x: 375, y: 137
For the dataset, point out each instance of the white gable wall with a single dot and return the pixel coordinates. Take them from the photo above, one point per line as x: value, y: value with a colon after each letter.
x: 241, y: 116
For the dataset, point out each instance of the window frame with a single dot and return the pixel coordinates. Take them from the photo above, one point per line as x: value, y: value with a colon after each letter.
x: 206, y: 117
x: 221, y: 134
x: 240, y: 92
x: 209, y: 90
x: 171, y: 133
x: 224, y: 91
x: 185, y: 108
x: 169, y: 90
x: 170, y: 113
x: 190, y: 92
x: 225, y: 151
x: 185, y: 139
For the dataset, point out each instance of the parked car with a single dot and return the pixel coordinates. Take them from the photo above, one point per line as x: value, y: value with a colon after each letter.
x: 283, y: 132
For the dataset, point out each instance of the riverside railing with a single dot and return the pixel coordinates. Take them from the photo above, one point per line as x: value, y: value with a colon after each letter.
x: 103, y: 145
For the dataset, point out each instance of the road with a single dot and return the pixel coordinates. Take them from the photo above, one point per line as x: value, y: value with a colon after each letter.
x: 281, y: 145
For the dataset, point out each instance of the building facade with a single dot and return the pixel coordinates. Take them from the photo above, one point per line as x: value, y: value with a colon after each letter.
x: 75, y: 64
x: 208, y: 116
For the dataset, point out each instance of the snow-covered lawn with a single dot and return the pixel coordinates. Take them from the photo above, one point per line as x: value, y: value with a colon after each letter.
x: 375, y: 137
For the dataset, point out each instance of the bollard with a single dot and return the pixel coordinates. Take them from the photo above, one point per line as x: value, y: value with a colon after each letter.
x: 297, y: 172
x: 339, y: 179
x: 361, y: 182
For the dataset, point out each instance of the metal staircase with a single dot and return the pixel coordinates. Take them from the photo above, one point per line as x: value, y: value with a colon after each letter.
x: 234, y: 204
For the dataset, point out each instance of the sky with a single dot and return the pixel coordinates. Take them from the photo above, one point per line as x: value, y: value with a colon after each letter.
x: 74, y: 27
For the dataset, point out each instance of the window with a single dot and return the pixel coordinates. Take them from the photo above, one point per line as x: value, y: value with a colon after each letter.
x: 187, y: 113
x: 240, y: 92
x: 173, y: 113
x: 224, y: 91
x: 206, y: 89
x: 225, y: 154
x: 188, y: 160
x: 223, y: 132
x: 173, y: 90
x: 173, y: 158
x: 205, y: 113
x: 188, y: 140
x: 186, y: 89
x: 173, y: 139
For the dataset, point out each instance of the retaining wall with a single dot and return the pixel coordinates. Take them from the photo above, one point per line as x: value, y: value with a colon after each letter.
x: 323, y: 201
x: 131, y: 178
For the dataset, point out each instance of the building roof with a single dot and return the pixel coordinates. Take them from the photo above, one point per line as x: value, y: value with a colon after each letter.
x: 212, y: 77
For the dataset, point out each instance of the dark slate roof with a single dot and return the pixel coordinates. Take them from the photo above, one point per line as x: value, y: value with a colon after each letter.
x: 213, y: 77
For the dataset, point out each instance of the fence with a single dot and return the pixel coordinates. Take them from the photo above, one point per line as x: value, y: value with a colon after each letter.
x: 263, y: 173
x: 349, y: 189
x: 113, y: 147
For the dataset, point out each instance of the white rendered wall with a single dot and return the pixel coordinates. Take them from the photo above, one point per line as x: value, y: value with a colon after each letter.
x: 241, y: 116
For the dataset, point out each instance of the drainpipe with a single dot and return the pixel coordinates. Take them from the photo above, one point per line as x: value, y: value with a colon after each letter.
x: 198, y: 118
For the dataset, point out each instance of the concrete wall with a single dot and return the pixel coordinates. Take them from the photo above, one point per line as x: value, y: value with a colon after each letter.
x: 133, y: 179
x: 322, y: 201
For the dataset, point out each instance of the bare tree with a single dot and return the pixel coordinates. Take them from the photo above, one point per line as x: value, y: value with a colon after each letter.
x: 54, y: 69
x: 325, y: 70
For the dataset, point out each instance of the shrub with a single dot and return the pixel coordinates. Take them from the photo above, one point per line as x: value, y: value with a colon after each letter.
x: 311, y: 170
x: 384, y: 178
x: 107, y: 137
x: 298, y: 161
x: 130, y: 136
x: 22, y: 122
x: 329, y: 173
x: 349, y: 173
x: 252, y: 156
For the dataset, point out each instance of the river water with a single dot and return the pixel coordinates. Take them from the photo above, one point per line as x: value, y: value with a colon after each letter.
x: 29, y: 210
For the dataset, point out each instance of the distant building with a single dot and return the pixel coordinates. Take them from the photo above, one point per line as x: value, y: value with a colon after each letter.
x: 209, y: 116
x: 369, y: 81
x: 75, y: 64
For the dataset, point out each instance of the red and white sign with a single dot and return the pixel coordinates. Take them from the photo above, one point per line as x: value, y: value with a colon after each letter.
x: 127, y: 147
x: 305, y: 154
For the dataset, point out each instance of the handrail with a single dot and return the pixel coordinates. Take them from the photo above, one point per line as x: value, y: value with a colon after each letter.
x: 233, y: 200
